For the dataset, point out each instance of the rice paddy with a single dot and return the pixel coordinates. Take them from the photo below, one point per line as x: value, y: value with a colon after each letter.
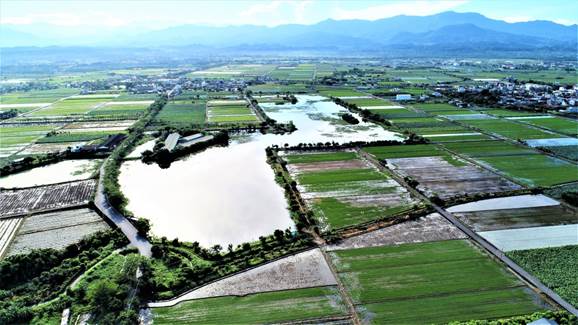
x: 344, y: 190
x: 438, y: 281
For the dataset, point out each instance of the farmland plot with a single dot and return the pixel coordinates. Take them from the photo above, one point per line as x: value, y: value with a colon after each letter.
x: 303, y: 270
x: 429, y: 228
x: 183, y: 111
x: 530, y: 238
x: 344, y: 190
x: 35, y: 199
x: 262, y: 308
x: 449, y: 177
x: 8, y: 228
x: 438, y: 281
x: 518, y: 218
x: 230, y: 111
x: 70, y: 107
x: 55, y: 230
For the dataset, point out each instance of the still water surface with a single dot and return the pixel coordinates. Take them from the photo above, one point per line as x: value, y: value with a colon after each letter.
x: 228, y: 195
x: 64, y: 171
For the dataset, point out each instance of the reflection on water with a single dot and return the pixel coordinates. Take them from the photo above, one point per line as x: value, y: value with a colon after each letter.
x: 64, y: 171
x: 228, y: 194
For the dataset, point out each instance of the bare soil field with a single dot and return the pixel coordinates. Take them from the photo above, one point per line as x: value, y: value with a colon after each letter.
x: 55, y: 230
x: 429, y: 228
x: 35, y: 199
x: 304, y: 270
x: 518, y: 218
x: 40, y: 148
x: 437, y: 176
x: 326, y: 165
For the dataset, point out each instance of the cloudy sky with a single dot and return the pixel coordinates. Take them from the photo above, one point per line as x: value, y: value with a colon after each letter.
x: 150, y: 14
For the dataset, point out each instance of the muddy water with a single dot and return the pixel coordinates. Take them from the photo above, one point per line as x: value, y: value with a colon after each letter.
x: 64, y: 171
x: 228, y: 195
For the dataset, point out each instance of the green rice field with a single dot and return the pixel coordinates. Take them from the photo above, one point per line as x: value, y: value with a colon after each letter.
x: 562, y: 125
x: 509, y: 129
x: 438, y: 281
x: 270, y: 307
x: 404, y: 151
x: 181, y: 111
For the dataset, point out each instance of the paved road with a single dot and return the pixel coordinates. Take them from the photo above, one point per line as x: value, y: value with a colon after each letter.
x: 102, y: 204
x: 479, y: 239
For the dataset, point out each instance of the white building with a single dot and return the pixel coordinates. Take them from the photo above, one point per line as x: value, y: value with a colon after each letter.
x: 402, y: 97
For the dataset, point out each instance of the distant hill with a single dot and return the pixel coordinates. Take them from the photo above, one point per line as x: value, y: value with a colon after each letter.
x: 441, y: 32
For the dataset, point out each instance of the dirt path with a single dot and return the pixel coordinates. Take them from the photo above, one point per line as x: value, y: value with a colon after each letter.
x: 342, y: 290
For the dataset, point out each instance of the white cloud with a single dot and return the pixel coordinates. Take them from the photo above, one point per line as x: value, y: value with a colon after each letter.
x: 516, y: 19
x: 68, y: 19
x: 395, y: 8
x: 265, y: 8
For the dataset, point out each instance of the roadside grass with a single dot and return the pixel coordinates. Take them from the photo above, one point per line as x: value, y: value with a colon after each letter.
x: 556, y: 267
x: 269, y: 307
x: 438, y: 281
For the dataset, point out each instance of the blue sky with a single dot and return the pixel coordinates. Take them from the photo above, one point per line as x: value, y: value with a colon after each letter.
x: 151, y: 14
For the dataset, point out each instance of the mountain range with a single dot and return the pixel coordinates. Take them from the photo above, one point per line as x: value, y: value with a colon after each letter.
x: 448, y: 31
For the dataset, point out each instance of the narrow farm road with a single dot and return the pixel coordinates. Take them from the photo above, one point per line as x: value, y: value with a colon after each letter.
x: 477, y: 238
x: 129, y: 230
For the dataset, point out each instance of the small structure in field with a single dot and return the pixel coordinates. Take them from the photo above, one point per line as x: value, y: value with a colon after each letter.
x: 402, y: 97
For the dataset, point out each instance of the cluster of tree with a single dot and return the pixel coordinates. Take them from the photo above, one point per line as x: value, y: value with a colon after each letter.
x: 164, y: 158
x: 4, y: 115
x: 560, y: 317
x: 115, y: 299
x: 193, y: 265
x: 349, y: 118
x: 41, y: 275
x: 112, y: 167
x: 365, y: 114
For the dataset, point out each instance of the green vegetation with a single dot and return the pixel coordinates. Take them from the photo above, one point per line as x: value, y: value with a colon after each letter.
x: 562, y: 125
x: 339, y: 92
x: 404, y: 151
x: 560, y: 316
x: 37, y: 96
x: 569, y: 152
x: 508, y: 129
x: 534, y: 170
x: 320, y: 157
x: 70, y: 107
x: 556, y: 267
x: 270, y: 307
x: 183, y: 112
x: 438, y: 281
x: 42, y: 275
x: 488, y: 148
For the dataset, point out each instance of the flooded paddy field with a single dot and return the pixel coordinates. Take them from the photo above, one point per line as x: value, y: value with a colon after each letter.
x: 63, y: 171
x: 55, y: 230
x: 198, y: 194
x: 8, y: 229
x: 315, y: 305
x: 49, y: 197
x: 448, y: 177
x: 342, y: 189
x: 303, y: 270
x: 530, y: 238
x: 518, y: 218
x: 429, y: 228
x: 442, y: 281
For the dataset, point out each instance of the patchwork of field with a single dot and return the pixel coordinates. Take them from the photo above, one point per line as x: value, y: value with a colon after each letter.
x: 70, y: 106
x: 14, y: 137
x: 275, y: 88
x: 530, y: 238
x: 303, y: 270
x: 126, y: 109
x: 558, y: 124
x: 524, y: 164
x: 55, y: 230
x: 339, y: 92
x: 300, y: 72
x: 230, y: 111
x: 234, y: 71
x: 180, y: 111
x: 447, y: 177
x: 343, y: 190
x: 37, y: 96
x: 270, y: 307
x: 43, y: 198
x: 508, y: 129
x: 499, y: 219
x: 438, y: 281
x: 432, y: 227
